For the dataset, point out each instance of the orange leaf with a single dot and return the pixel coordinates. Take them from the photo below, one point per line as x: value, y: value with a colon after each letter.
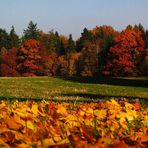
x: 12, y: 124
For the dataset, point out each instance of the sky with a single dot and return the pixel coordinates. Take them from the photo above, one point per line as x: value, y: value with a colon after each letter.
x: 72, y: 16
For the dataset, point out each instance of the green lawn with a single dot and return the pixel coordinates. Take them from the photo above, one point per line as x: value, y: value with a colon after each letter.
x: 71, y: 88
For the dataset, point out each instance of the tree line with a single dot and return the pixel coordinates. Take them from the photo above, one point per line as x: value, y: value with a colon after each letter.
x: 99, y: 51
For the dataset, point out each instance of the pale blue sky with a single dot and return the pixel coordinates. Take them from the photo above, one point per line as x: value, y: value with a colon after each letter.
x: 71, y: 16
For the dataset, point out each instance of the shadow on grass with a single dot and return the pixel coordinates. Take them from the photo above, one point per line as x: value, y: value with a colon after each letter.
x: 11, y: 99
x: 99, y: 97
x: 68, y: 100
x: 135, y: 82
x: 85, y: 98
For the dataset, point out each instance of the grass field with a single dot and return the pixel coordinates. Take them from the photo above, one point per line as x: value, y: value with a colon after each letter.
x: 71, y: 88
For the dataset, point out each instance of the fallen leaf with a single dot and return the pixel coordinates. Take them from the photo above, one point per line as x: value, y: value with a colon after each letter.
x: 12, y: 124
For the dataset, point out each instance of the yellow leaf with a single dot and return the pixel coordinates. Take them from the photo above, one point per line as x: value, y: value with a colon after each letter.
x: 61, y: 109
x: 21, y: 112
x: 89, y: 122
x: 23, y: 145
x: 145, y: 121
x: 81, y: 113
x: 129, y: 106
x: 131, y: 115
x: 124, y: 125
x: 108, y: 140
x: 48, y: 142
x: 67, y: 131
x: 89, y: 111
x: 34, y: 109
x: 18, y: 120
x: 53, y: 131
x: 57, y: 138
x: 72, y: 120
x: 1, y: 116
x: 30, y: 125
x: 113, y: 104
x: 63, y: 141
x: 101, y: 114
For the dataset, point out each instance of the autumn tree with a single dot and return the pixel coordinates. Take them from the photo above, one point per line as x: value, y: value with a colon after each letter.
x: 126, y: 55
x: 8, y: 65
x: 73, y: 59
x: 50, y: 64
x: 88, y: 61
x: 66, y: 65
x: 28, y: 58
x: 61, y: 66
x: 103, y: 40
x: 46, y: 65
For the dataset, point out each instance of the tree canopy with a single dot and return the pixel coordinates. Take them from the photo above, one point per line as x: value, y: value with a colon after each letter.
x: 99, y: 51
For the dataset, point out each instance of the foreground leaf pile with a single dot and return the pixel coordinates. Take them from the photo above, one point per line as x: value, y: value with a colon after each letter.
x: 114, y: 123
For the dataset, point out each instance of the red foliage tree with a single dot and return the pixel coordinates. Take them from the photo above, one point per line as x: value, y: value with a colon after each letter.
x: 46, y: 65
x: 28, y: 58
x: 9, y: 65
x: 126, y: 55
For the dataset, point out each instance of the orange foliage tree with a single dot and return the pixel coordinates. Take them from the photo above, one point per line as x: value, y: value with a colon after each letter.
x: 28, y: 58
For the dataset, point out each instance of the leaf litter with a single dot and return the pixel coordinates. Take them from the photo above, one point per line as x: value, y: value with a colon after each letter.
x: 111, y: 123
